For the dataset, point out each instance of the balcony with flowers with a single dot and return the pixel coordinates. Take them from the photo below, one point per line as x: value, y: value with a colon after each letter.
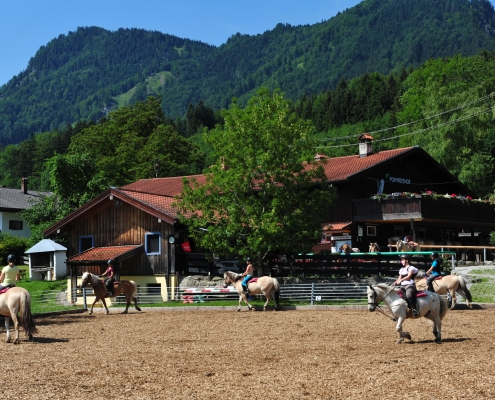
x: 424, y: 205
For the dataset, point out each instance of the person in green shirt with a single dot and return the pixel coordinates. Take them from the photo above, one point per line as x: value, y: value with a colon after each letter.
x: 10, y: 273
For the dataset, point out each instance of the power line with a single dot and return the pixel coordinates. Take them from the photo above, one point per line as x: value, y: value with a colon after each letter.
x: 443, y: 124
x: 413, y: 122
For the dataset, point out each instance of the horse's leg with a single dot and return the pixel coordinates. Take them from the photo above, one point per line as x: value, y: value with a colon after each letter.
x: 244, y: 297
x: 452, y: 294
x: 13, y: 315
x: 135, y: 303
x: 7, y: 329
x: 267, y: 295
x: 92, y: 305
x: 105, y: 305
x: 240, y: 300
x: 398, y: 328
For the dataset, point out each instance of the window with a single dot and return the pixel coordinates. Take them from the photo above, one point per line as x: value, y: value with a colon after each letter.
x: 399, y: 232
x: 85, y: 243
x: 371, y: 230
x: 15, y: 225
x: 154, y: 288
x: 153, y: 243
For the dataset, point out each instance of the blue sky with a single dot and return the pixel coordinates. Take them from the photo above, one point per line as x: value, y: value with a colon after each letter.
x: 25, y: 25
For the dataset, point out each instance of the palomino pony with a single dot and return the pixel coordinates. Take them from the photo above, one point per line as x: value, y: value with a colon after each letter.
x: 265, y: 284
x: 430, y: 305
x: 13, y: 301
x: 403, y: 246
x: 127, y: 288
x: 450, y: 284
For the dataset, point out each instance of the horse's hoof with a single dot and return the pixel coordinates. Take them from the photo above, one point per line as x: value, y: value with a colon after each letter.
x: 238, y: 310
x: 264, y: 308
x: 137, y: 308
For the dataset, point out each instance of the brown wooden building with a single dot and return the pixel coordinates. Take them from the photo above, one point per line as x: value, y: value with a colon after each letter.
x: 416, y: 193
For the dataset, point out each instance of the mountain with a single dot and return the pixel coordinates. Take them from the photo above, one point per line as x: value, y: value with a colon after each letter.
x: 84, y: 74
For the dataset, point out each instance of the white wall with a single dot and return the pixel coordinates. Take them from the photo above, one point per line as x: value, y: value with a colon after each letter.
x: 5, y: 217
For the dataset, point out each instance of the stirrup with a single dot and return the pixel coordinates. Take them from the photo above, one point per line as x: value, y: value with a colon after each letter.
x: 415, y: 313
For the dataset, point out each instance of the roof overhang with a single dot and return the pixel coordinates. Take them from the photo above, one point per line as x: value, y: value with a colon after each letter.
x: 100, y: 255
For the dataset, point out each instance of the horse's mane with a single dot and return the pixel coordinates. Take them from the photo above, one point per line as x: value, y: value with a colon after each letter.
x: 234, y: 277
x: 383, y: 286
x: 92, y: 277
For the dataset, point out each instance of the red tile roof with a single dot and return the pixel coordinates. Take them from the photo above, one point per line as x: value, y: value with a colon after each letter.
x: 342, y: 168
x: 103, y: 254
x: 171, y: 186
x: 335, y: 226
x: 160, y: 203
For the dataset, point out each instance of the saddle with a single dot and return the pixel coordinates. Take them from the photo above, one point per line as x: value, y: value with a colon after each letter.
x: 418, y: 294
x: 6, y: 288
x: 253, y: 279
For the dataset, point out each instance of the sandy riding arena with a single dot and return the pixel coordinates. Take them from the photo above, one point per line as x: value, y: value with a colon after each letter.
x: 297, y: 354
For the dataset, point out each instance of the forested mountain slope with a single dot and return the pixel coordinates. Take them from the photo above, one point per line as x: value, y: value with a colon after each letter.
x: 88, y: 72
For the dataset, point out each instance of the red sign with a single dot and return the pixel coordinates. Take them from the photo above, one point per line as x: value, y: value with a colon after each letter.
x: 186, y: 246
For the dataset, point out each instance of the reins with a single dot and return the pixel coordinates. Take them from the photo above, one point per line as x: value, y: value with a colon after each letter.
x: 376, y: 303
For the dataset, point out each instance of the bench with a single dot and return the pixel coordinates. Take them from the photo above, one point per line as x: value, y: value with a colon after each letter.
x: 42, y: 269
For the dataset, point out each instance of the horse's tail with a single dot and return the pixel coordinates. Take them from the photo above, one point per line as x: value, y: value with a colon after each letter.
x: 462, y: 284
x: 134, y: 289
x: 444, y: 306
x: 25, y: 315
x: 276, y: 286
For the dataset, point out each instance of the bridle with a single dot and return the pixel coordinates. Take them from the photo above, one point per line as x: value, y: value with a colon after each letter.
x: 376, y: 303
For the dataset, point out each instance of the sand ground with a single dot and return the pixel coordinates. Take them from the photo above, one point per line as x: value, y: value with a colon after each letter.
x: 217, y: 354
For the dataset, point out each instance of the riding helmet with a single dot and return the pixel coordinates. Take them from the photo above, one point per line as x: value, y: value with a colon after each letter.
x: 248, y: 259
x: 11, y: 257
x: 434, y: 255
x: 111, y: 262
x: 406, y: 256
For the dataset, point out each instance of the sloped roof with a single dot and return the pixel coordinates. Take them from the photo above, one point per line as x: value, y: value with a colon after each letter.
x: 171, y: 186
x: 156, y: 196
x: 45, y: 245
x: 335, y: 226
x: 16, y: 200
x: 100, y: 255
x: 342, y: 168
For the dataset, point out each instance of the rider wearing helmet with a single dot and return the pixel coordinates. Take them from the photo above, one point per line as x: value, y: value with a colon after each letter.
x: 248, y: 274
x: 406, y: 282
x: 110, y: 274
x: 435, y: 270
x: 10, y: 274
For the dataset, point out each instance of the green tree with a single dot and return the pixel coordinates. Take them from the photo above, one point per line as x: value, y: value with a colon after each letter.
x: 264, y: 193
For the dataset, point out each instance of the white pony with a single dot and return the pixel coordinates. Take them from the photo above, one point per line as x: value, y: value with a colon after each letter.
x: 431, y: 306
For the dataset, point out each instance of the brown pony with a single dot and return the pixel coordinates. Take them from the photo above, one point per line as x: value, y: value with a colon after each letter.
x: 449, y: 283
x: 374, y: 248
x: 265, y: 284
x: 127, y: 288
x: 13, y: 301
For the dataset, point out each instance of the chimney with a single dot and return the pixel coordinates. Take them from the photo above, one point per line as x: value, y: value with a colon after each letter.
x: 365, y: 147
x: 24, y: 185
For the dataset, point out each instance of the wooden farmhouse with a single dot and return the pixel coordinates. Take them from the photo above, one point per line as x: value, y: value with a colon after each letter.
x: 137, y: 225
